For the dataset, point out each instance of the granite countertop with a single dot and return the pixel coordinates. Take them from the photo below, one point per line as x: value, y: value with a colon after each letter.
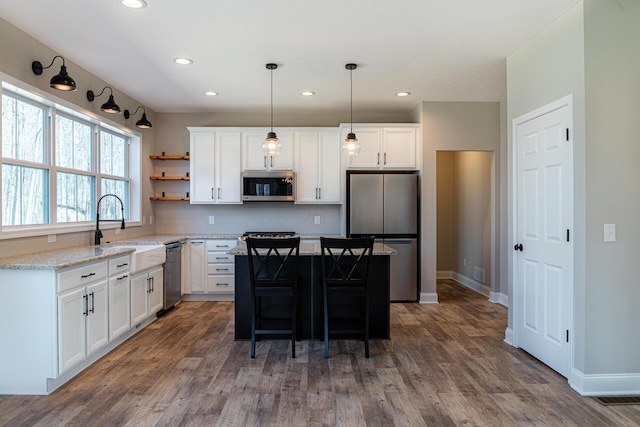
x: 65, y: 258
x: 311, y: 249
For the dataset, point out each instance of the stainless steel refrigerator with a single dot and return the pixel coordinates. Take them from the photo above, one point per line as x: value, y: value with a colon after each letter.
x: 386, y: 205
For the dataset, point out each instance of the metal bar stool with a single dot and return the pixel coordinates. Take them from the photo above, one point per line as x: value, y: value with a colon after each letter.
x: 345, y: 273
x: 273, y: 274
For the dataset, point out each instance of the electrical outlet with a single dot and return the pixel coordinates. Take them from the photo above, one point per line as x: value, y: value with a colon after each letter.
x: 51, y: 238
x: 118, y: 231
x: 144, y: 220
x: 316, y: 219
x: 212, y: 219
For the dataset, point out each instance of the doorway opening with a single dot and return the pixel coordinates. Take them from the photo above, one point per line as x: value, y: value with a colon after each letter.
x: 465, y: 218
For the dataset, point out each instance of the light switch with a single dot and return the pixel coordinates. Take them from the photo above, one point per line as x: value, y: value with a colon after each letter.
x: 609, y: 232
x: 316, y: 220
x: 51, y: 238
x: 212, y: 219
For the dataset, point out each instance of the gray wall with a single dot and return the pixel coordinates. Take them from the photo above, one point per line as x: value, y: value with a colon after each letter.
x: 591, y: 52
x: 456, y: 126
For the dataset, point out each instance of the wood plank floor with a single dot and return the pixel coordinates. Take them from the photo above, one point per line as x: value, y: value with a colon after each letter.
x: 445, y: 365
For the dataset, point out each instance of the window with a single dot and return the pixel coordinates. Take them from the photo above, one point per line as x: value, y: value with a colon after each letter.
x: 57, y: 163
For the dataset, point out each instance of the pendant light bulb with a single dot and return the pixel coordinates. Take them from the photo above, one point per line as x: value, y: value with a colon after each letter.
x: 271, y: 145
x: 351, y: 146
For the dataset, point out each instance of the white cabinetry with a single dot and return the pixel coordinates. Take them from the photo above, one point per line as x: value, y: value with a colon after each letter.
x: 317, y: 166
x: 146, y: 294
x: 83, y: 317
x: 220, y: 267
x: 254, y: 158
x: 385, y: 146
x: 211, y: 270
x: 119, y: 297
x: 215, y: 166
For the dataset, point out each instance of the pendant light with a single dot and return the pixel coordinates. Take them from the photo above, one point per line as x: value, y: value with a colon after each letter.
x: 143, y: 123
x: 351, y: 145
x: 61, y: 81
x: 272, y: 146
x: 108, y: 107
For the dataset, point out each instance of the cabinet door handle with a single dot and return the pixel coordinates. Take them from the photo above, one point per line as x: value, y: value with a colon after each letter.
x: 197, y: 242
x: 222, y: 269
x: 219, y: 193
x: 271, y: 161
x: 153, y: 284
x: 319, y: 193
x: 378, y: 161
x: 86, y: 305
x: 265, y: 161
x: 93, y: 302
x: 122, y: 265
x: 222, y: 284
x: 123, y: 277
x: 84, y: 276
x: 222, y: 257
x: 212, y: 195
x: 222, y: 246
x: 385, y: 158
x: 148, y: 285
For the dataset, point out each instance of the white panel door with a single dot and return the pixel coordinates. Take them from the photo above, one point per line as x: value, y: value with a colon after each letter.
x: 399, y: 151
x: 139, y: 290
x: 544, y: 218
x: 370, y: 140
x: 330, y: 168
x: 72, y: 329
x: 155, y: 291
x: 98, y: 317
x: 119, y: 305
x: 202, y: 168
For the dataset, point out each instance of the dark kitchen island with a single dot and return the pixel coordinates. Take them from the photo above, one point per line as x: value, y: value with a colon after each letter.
x: 310, y: 325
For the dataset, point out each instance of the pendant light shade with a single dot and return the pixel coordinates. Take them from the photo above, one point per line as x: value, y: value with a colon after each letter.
x: 61, y: 81
x: 143, y: 123
x: 272, y: 145
x: 351, y: 145
x: 108, y: 107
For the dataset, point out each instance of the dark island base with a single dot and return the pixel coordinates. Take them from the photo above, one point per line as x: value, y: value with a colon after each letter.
x: 310, y: 307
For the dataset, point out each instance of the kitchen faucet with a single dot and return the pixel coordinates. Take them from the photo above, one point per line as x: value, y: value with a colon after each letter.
x: 98, y: 232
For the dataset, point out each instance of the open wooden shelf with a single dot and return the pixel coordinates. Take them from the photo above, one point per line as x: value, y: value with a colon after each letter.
x: 170, y: 157
x: 169, y: 178
x: 170, y: 199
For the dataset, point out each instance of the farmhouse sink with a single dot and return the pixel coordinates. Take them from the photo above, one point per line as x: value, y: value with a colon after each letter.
x: 145, y: 256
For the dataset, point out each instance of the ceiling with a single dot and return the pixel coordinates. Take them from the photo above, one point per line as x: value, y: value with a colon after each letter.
x: 439, y: 50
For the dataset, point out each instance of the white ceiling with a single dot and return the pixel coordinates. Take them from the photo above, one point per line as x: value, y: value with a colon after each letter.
x: 439, y: 50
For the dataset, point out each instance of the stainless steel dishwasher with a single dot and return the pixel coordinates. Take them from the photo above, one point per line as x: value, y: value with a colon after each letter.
x: 172, y: 276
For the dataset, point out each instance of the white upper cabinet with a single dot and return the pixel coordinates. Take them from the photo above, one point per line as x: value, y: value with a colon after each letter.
x: 385, y: 146
x: 317, y: 166
x: 254, y: 158
x: 215, y: 166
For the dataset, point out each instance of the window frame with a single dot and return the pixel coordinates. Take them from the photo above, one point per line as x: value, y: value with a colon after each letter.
x: 53, y: 106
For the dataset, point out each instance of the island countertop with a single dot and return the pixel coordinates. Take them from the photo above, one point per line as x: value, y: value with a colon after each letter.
x: 314, y: 249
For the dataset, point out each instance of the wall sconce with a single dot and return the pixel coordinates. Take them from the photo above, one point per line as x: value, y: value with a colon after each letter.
x: 62, y: 81
x: 108, y: 107
x: 143, y: 123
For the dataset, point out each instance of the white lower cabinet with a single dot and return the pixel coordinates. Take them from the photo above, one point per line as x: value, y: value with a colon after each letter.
x: 211, y: 268
x: 83, y: 323
x: 146, y: 294
x: 119, y: 305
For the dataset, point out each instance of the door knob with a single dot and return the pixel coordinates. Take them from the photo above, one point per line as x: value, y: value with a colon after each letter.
x: 518, y: 247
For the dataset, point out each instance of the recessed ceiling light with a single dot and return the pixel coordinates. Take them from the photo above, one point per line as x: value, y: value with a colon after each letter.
x: 211, y: 93
x: 183, y: 61
x: 135, y: 4
x: 403, y: 93
x: 307, y: 93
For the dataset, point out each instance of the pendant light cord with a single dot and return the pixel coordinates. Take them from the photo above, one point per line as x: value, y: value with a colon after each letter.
x: 351, y: 83
x: 271, y: 99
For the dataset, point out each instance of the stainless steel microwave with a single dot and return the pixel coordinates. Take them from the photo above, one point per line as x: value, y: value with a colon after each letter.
x: 268, y: 186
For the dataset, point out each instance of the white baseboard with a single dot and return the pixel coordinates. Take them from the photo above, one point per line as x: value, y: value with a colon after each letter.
x: 605, y: 384
x: 508, y: 336
x: 465, y: 281
x: 499, y: 298
x: 428, y: 298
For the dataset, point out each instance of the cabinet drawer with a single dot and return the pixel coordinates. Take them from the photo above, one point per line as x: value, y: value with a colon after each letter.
x: 220, y: 257
x: 221, y: 245
x: 78, y: 276
x: 221, y: 269
x: 119, y: 265
x: 220, y: 284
